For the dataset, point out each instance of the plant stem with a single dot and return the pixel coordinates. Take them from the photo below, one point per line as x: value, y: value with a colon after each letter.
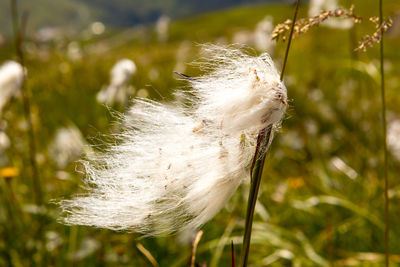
x: 263, y: 141
x: 290, y: 39
x: 255, y: 185
x: 384, y: 125
x: 19, y: 37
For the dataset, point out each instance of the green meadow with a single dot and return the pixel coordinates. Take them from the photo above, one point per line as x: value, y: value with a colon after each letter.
x: 321, y: 200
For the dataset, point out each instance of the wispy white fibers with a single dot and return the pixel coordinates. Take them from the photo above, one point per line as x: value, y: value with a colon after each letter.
x: 117, y: 91
x: 11, y: 79
x: 175, y: 165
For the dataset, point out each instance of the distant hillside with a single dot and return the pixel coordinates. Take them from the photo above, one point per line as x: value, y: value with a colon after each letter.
x: 77, y: 14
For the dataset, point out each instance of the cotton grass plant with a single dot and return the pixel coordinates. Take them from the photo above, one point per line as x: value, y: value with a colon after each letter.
x: 176, y: 164
x: 11, y: 79
x: 118, y: 90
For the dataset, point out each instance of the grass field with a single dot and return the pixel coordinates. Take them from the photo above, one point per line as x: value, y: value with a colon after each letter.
x: 321, y: 199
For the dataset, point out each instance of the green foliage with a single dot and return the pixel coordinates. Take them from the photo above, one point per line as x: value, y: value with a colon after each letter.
x: 309, y: 212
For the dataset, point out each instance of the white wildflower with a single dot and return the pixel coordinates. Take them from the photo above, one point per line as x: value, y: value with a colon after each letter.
x: 49, y: 34
x: 162, y: 28
x: 175, y: 165
x: 262, y: 34
x: 260, y: 38
x: 317, y: 6
x: 67, y: 146
x: 88, y: 246
x: 11, y: 79
x: 5, y: 143
x: 74, y: 51
x: 97, y: 28
x: 118, y: 89
x: 393, y: 138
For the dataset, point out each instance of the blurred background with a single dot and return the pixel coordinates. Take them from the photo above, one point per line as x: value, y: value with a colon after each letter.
x: 321, y: 199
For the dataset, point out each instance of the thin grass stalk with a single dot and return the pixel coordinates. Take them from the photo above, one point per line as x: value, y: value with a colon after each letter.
x: 19, y: 32
x: 232, y: 254
x: 194, y: 248
x: 384, y: 125
x: 263, y: 141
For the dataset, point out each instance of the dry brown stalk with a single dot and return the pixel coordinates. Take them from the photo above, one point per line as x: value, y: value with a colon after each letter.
x: 369, y: 40
x: 303, y: 25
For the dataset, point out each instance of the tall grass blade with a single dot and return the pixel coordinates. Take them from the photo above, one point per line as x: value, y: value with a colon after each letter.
x: 19, y: 34
x: 384, y: 125
x: 258, y: 163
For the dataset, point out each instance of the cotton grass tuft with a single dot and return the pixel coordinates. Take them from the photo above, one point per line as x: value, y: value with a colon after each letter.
x: 176, y: 164
x: 118, y: 89
x: 12, y: 75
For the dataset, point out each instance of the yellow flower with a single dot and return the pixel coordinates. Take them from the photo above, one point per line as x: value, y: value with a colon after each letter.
x: 295, y: 182
x: 9, y: 172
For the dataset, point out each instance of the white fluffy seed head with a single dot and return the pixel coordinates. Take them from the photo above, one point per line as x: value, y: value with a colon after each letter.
x: 118, y: 89
x: 122, y: 72
x: 67, y: 146
x: 11, y: 79
x: 175, y: 165
x: 240, y: 92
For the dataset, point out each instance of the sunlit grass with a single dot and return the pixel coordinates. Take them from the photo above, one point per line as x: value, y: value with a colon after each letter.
x: 309, y: 212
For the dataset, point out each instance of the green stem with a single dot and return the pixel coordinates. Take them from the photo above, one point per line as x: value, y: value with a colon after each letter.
x: 264, y: 137
x: 384, y: 125
x: 19, y: 37
x: 290, y: 39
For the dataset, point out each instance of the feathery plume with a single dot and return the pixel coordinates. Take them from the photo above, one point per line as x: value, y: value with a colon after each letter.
x: 118, y: 89
x: 175, y: 165
x: 11, y: 79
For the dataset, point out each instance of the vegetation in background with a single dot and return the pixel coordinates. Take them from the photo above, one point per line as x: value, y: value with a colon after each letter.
x: 322, y: 203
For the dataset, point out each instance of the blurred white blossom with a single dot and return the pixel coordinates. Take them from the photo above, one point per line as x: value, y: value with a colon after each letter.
x: 162, y: 28
x: 393, y: 138
x: 53, y: 240
x: 12, y: 76
x: 260, y: 38
x: 262, y: 34
x: 176, y: 165
x: 87, y: 247
x: 118, y: 90
x: 48, y: 34
x: 4, y: 141
x: 67, y: 146
x: 74, y: 51
x: 97, y: 28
